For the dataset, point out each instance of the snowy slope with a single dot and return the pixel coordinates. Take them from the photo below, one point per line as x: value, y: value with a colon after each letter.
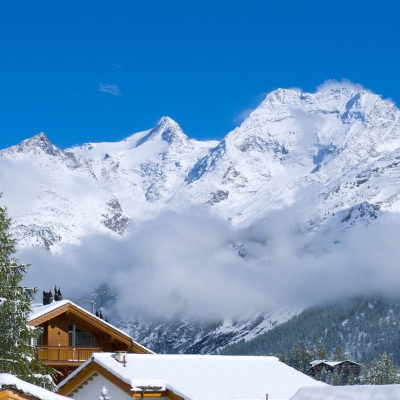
x: 343, y: 140
x: 198, y: 337
x: 99, y: 187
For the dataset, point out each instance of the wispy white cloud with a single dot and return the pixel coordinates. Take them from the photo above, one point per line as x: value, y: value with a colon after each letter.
x: 194, y: 264
x: 243, y: 115
x: 111, y: 89
x: 332, y: 83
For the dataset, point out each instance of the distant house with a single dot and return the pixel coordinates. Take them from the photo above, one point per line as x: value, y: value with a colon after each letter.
x: 353, y: 392
x: 341, y: 367
x: 13, y: 388
x: 184, y: 377
x: 71, y: 334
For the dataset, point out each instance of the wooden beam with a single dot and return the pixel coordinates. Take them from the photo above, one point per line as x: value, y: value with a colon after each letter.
x: 173, y: 396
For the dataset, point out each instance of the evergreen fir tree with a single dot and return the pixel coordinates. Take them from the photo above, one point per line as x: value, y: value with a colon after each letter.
x: 323, y: 376
x: 381, y: 372
x: 384, y: 372
x: 343, y: 379
x: 283, y: 358
x: 352, y: 379
x: 335, y: 379
x: 365, y: 374
x: 17, y: 354
x: 318, y: 352
x: 339, y: 354
x: 300, y: 358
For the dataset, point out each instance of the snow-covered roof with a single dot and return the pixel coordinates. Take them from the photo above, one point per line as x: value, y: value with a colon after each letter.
x: 38, y: 310
x: 205, y: 376
x: 367, y: 392
x: 331, y: 363
x: 8, y: 381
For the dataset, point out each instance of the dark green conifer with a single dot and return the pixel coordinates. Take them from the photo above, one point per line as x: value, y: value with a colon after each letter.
x: 17, y: 353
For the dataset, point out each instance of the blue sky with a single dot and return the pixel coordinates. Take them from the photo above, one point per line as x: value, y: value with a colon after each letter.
x: 100, y: 70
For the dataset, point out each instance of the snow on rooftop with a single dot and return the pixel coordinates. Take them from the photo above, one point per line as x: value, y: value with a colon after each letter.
x: 12, y: 382
x: 331, y: 363
x: 149, y: 384
x: 367, y: 392
x: 205, y: 376
x: 39, y: 310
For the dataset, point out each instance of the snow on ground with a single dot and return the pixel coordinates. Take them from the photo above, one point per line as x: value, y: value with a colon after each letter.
x: 367, y: 392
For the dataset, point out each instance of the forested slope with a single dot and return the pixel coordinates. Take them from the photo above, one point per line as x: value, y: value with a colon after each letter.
x: 363, y: 327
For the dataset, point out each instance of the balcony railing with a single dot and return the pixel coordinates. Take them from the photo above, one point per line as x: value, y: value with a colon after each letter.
x: 60, y: 353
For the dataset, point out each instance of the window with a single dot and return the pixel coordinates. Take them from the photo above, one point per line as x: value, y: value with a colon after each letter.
x: 37, y: 341
x: 79, y: 338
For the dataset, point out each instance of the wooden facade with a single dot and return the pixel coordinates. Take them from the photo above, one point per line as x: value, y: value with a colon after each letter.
x: 13, y: 388
x: 340, y: 367
x: 12, y: 394
x: 71, y: 335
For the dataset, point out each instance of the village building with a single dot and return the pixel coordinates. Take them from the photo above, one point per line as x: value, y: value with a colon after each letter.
x: 352, y: 392
x: 346, y: 367
x: 184, y: 377
x: 71, y: 334
x: 12, y: 388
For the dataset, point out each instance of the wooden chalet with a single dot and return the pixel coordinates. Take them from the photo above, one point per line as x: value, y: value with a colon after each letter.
x: 340, y: 367
x: 71, y: 334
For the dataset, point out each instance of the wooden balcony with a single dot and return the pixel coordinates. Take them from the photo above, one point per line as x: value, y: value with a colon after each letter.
x: 68, y: 354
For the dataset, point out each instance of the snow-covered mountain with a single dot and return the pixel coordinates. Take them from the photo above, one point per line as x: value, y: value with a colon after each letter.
x: 342, y: 141
x: 336, y: 150
x: 198, y: 337
x: 100, y: 187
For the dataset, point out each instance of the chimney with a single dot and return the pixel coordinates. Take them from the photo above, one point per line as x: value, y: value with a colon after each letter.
x: 57, y: 294
x: 47, y: 298
x: 120, y: 356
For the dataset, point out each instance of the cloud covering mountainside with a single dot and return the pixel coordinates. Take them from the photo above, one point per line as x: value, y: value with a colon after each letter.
x: 297, y: 205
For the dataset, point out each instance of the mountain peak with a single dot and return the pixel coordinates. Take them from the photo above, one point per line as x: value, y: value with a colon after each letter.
x: 169, y: 131
x: 167, y: 122
x: 35, y: 145
x: 41, y: 141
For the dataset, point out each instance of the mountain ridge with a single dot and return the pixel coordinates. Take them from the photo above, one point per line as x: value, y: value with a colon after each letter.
x: 331, y: 158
